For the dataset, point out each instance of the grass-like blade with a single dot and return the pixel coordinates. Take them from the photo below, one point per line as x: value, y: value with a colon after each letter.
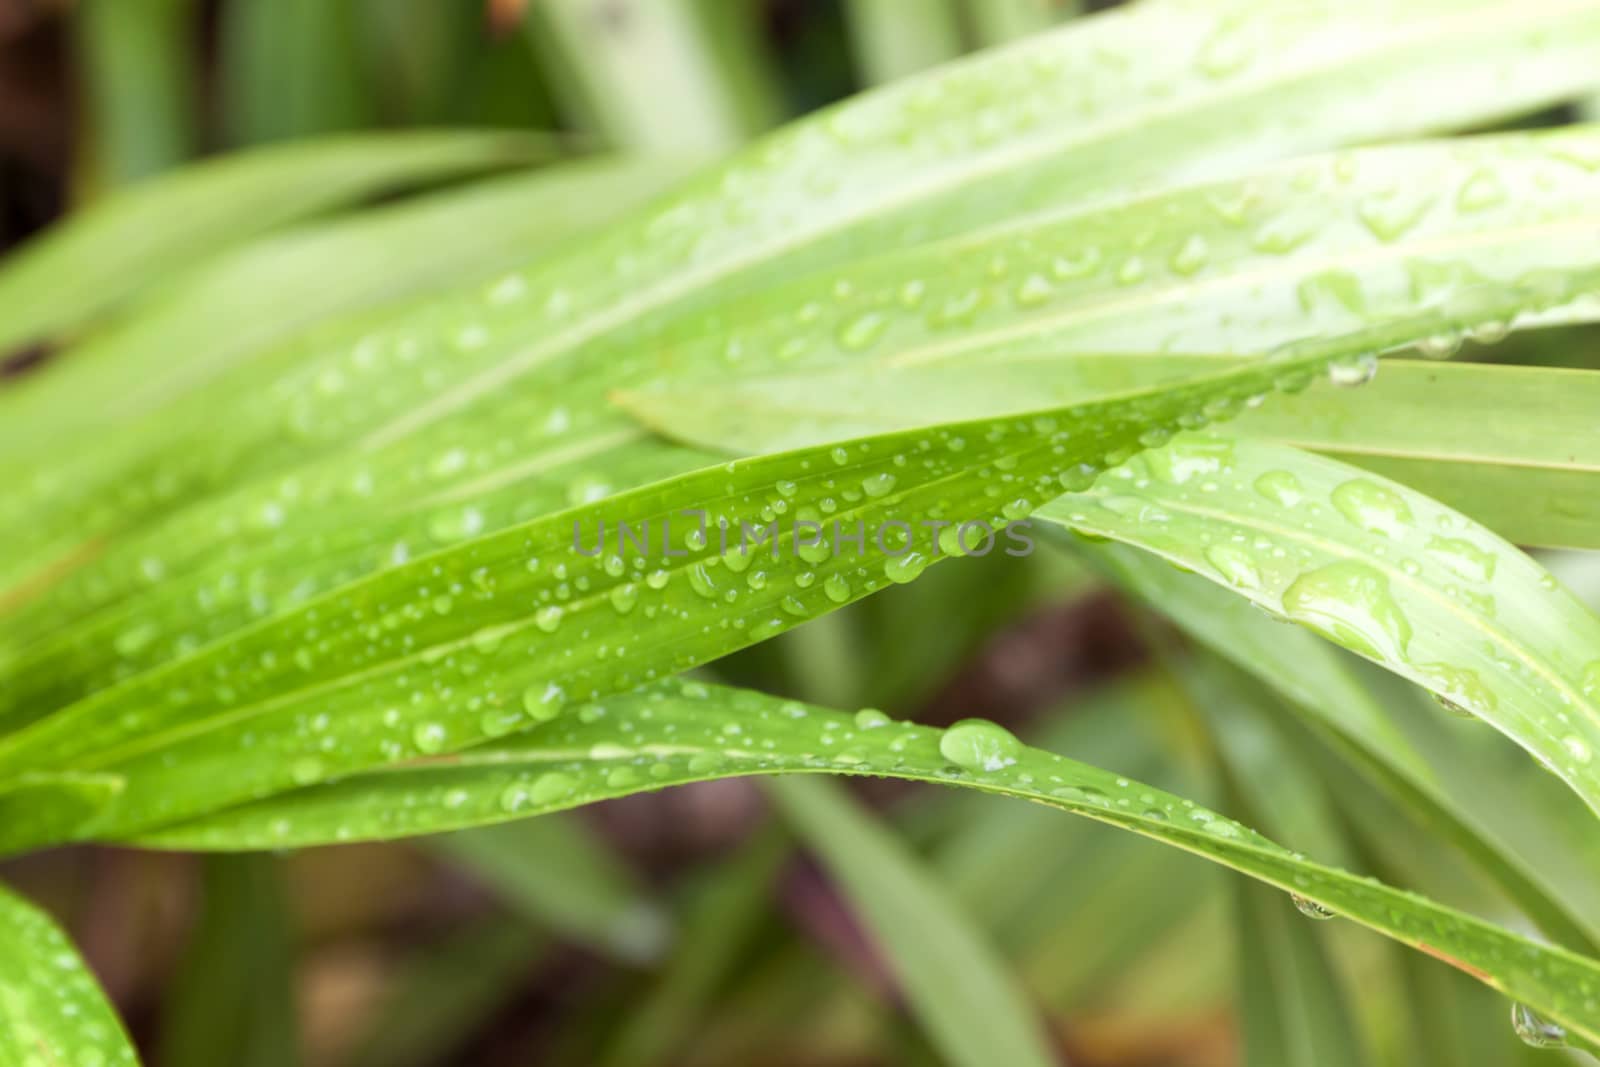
x: 1308, y: 674
x: 139, y: 84
x: 1379, y: 569
x: 1293, y: 1012
x: 106, y: 254
x: 502, y: 631
x: 1540, y: 485
x: 375, y: 388
x: 243, y: 302
x: 680, y: 732
x: 232, y: 995
x: 562, y: 877
x: 51, y: 1009
x: 974, y: 1010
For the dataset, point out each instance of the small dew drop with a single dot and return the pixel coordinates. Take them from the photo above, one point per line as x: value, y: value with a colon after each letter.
x: 1311, y: 909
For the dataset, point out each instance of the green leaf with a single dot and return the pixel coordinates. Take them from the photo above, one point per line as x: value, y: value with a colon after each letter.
x: 556, y: 873
x: 231, y: 999
x: 999, y: 21
x: 439, y: 1000
x: 1379, y: 569
x: 1363, y: 730
x: 260, y: 40
x: 756, y: 219
x: 892, y: 39
x: 1538, y: 485
x: 953, y: 979
x: 681, y: 732
x: 108, y: 253
x: 1292, y: 1007
x: 234, y: 306
x: 641, y: 73
x: 139, y: 81
x: 502, y: 631
x: 51, y: 1010
x: 723, y: 914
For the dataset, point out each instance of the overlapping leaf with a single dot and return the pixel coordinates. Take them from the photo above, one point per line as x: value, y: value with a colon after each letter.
x: 681, y: 732
x: 51, y: 1010
x: 1380, y: 569
x: 957, y: 149
x: 110, y: 252
x: 477, y: 641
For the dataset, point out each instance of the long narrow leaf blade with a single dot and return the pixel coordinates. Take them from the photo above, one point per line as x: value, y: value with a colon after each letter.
x: 681, y: 732
x: 101, y: 257
x: 51, y: 1009
x: 974, y: 1010
x: 1380, y: 569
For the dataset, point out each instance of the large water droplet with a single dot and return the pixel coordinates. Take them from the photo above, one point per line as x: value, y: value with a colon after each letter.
x: 1350, y: 603
x: 1280, y: 487
x: 1353, y: 371
x: 979, y: 745
x: 1372, y: 507
x: 430, y: 737
x: 902, y: 569
x: 1463, y: 558
x: 1535, y: 1030
x: 544, y: 701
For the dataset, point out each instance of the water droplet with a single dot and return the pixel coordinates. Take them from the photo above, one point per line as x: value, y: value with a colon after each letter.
x: 1481, y: 191
x: 544, y: 701
x: 624, y: 597
x: 1190, y: 256
x: 1280, y: 487
x: 1459, y: 690
x: 306, y: 771
x: 548, y: 618
x: 1034, y: 290
x: 1390, y: 215
x: 979, y: 745
x: 902, y: 569
x: 1354, y: 371
x: 1372, y: 507
x: 1350, y: 603
x: 430, y: 737
x: 1535, y: 1030
x: 1439, y: 346
x: 551, y: 788
x: 1311, y: 909
x: 1578, y: 749
x: 1590, y: 680
x: 863, y: 331
x: 871, y: 719
x: 837, y: 588
x: 878, y: 485
x: 1235, y: 566
x: 1463, y: 558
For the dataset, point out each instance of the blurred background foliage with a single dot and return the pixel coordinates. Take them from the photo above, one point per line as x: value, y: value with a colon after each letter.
x: 686, y: 927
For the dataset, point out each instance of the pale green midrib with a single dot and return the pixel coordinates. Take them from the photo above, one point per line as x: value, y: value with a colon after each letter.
x: 594, y: 444
x: 1328, y: 445
x: 1090, y: 310
x: 1338, y: 550
x: 476, y: 385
